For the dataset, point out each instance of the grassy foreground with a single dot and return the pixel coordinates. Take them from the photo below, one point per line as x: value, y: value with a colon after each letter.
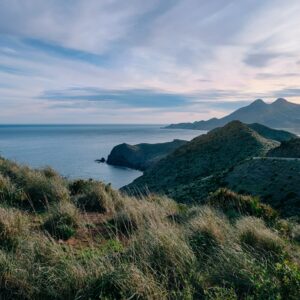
x: 63, y: 239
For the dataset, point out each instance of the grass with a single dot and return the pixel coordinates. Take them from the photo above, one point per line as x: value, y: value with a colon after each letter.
x: 84, y: 240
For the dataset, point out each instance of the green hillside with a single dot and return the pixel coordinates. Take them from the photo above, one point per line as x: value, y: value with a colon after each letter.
x: 275, y: 181
x: 287, y: 149
x: 194, y: 163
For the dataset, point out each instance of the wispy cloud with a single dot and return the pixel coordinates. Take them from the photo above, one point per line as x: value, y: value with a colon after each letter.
x: 130, y: 97
x: 150, y: 61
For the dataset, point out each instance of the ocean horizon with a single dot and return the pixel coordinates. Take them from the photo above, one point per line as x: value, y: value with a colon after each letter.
x: 72, y: 149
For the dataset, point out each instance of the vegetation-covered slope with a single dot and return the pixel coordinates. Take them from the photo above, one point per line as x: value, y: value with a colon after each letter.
x: 279, y: 114
x: 80, y: 239
x: 275, y: 181
x: 272, y: 134
x: 287, y: 149
x: 141, y: 156
x: 206, y: 155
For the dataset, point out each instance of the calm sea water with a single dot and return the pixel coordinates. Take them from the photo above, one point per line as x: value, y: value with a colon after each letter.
x: 72, y: 149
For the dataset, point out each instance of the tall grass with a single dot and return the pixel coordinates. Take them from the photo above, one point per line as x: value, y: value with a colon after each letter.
x: 88, y: 241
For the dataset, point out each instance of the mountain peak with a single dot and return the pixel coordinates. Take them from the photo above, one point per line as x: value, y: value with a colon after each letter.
x: 258, y: 102
x: 280, y: 101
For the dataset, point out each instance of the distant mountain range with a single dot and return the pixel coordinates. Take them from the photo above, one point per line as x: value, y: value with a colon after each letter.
x: 279, y: 114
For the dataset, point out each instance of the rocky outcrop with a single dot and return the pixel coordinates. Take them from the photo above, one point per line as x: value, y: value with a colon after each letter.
x: 141, y: 156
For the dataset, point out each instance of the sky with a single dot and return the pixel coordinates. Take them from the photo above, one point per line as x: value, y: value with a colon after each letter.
x: 108, y: 61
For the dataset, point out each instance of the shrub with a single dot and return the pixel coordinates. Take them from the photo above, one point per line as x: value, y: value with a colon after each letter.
x: 79, y: 186
x: 234, y: 205
x: 43, y: 191
x: 288, y: 275
x: 38, y: 188
x: 97, y: 197
x: 49, y: 172
x: 63, y: 221
x: 221, y: 293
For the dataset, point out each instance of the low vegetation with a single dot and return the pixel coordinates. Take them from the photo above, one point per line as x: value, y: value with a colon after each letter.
x: 81, y: 239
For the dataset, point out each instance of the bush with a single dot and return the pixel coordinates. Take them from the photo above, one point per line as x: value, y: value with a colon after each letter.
x: 43, y: 191
x: 35, y: 189
x: 49, y: 172
x: 63, y: 221
x: 80, y: 186
x: 234, y: 205
x: 96, y: 197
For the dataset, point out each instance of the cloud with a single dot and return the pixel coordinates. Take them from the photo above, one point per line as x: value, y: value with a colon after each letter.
x: 288, y: 92
x: 272, y: 76
x: 260, y: 59
x: 130, y: 97
x: 114, y: 61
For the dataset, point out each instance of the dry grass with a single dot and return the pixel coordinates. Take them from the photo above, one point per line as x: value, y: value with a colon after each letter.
x: 120, y: 247
x: 253, y: 232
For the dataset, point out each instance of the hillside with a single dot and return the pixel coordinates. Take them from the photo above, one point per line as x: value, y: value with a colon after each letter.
x: 275, y: 181
x: 279, y: 114
x: 141, y: 156
x: 204, y: 156
x: 81, y: 239
x: 289, y: 148
x: 272, y: 134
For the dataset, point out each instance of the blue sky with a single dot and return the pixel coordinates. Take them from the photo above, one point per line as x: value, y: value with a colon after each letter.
x: 78, y: 61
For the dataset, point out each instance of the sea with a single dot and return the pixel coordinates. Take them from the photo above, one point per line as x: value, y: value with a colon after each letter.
x: 73, y: 149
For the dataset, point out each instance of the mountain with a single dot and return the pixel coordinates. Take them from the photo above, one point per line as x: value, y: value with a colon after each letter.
x: 196, y: 163
x: 272, y: 134
x: 141, y: 156
x: 275, y: 181
x: 279, y: 114
x: 287, y: 149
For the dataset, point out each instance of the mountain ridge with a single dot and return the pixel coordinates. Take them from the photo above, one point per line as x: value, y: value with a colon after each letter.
x: 208, y: 154
x: 278, y: 114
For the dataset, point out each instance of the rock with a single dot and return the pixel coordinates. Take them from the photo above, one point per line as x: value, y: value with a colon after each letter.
x: 102, y: 160
x: 141, y: 156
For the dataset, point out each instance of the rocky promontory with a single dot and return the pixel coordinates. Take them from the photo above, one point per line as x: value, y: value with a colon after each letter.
x: 141, y: 156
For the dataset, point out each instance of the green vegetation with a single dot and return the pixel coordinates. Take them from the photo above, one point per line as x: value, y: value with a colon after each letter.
x: 83, y: 240
x: 287, y: 149
x: 275, y: 181
x: 197, y: 164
